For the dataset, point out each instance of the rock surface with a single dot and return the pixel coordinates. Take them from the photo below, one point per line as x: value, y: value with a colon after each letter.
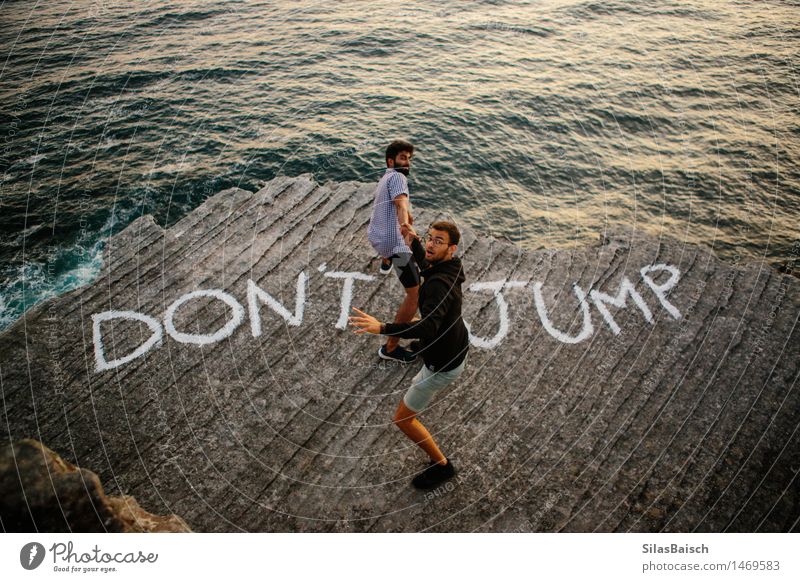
x: 42, y: 492
x: 687, y: 422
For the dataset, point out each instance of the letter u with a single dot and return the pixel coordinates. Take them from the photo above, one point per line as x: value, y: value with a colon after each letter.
x: 586, y: 331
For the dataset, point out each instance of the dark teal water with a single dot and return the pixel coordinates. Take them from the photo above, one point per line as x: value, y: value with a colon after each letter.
x: 546, y: 122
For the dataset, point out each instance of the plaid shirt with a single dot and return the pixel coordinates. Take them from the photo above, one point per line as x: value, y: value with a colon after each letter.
x: 384, y: 229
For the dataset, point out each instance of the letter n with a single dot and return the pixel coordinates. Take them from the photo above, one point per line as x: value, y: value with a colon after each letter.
x: 256, y: 294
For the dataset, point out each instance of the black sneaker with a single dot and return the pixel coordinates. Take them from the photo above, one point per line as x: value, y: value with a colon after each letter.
x: 386, y: 268
x: 398, y: 355
x: 414, y: 347
x: 434, y: 475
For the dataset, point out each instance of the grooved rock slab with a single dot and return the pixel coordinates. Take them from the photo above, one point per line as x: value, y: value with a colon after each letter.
x: 686, y: 422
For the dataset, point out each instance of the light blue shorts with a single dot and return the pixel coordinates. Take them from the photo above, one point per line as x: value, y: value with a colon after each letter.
x: 426, y: 384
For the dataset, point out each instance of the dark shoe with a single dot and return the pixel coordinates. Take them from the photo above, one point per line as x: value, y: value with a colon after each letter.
x: 414, y: 347
x: 434, y: 475
x: 386, y: 268
x: 398, y: 355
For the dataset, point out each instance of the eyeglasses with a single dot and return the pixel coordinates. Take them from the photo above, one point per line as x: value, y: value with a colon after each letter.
x: 435, y: 240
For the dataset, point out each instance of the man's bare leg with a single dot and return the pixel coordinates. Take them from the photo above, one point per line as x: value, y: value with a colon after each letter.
x: 408, y: 308
x: 406, y: 420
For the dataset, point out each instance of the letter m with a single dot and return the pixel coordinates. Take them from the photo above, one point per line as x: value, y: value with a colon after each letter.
x: 620, y: 300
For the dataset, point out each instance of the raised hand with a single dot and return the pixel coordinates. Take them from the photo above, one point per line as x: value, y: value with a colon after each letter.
x: 364, y: 322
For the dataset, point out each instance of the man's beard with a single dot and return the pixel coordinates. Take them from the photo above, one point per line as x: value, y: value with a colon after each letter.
x: 433, y: 259
x: 403, y: 170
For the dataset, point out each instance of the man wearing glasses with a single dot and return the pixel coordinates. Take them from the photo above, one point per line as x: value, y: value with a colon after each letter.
x: 443, y: 340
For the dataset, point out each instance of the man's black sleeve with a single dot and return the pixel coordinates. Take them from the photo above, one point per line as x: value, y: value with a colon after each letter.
x: 419, y: 253
x: 432, y: 313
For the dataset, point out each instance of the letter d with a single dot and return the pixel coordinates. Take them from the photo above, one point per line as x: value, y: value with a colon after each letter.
x: 101, y: 363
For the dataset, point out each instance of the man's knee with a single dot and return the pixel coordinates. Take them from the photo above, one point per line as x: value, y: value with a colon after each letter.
x: 412, y: 291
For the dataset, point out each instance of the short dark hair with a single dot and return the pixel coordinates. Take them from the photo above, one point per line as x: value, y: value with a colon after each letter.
x: 451, y: 230
x: 396, y: 147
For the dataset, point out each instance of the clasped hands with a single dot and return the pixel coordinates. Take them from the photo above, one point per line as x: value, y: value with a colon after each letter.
x: 408, y: 232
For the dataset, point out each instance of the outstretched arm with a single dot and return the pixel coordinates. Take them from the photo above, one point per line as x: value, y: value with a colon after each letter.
x: 413, y: 242
x: 432, y: 312
x: 401, y: 205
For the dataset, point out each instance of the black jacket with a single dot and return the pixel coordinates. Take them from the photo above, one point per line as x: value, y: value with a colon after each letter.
x: 441, y: 330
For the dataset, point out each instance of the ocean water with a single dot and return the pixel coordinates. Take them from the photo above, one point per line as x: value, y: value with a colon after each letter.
x: 546, y: 122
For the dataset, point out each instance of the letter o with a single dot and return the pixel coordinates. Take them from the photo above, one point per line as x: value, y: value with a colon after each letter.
x: 204, y: 339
